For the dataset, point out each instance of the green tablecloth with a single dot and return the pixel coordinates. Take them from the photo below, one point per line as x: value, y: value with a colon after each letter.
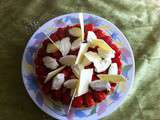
x: 138, y: 19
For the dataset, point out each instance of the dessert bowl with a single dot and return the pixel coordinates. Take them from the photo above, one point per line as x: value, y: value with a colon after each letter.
x: 57, y: 110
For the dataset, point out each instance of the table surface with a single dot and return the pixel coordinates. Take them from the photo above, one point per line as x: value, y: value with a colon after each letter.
x: 138, y: 20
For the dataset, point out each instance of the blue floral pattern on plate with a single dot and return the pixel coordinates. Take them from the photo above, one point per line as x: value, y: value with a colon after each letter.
x: 102, y: 109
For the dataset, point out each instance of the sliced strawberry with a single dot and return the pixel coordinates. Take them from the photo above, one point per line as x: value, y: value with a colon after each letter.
x: 94, y: 77
x: 46, y: 88
x: 88, y: 27
x: 45, y: 42
x: 99, y: 96
x: 67, y: 72
x: 54, y: 36
x: 66, y: 96
x: 38, y: 61
x: 77, y: 102
x: 113, y: 85
x: 61, y: 32
x: 99, y: 33
x: 88, y: 100
x: 41, y: 52
x: 89, y: 66
x: 56, y: 95
x: 107, y: 39
x: 114, y: 47
x: 55, y: 55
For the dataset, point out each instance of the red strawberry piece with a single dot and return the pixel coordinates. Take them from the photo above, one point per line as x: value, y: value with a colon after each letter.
x: 100, y: 33
x: 118, y: 53
x: 94, y: 77
x: 61, y: 33
x: 41, y: 70
x: 41, y: 52
x: 74, y: 52
x: 107, y: 39
x: 88, y: 27
x: 88, y: 100
x: 77, y: 102
x: 38, y: 61
x: 99, y: 96
x: 46, y: 88
x: 55, y: 55
x: 119, y: 70
x: 76, y: 25
x: 56, y: 95
x: 116, y: 59
x: 89, y: 66
x: 45, y: 42
x: 67, y: 72
x: 114, y: 47
x: 113, y: 85
x: 65, y: 96
x: 119, y: 64
x: 41, y: 78
x: 54, y: 37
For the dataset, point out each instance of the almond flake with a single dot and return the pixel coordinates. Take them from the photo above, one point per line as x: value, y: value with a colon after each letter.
x: 76, y: 44
x: 53, y: 73
x: 50, y: 62
x: 64, y: 45
x: 57, y: 82
x: 51, y: 48
x: 91, y: 36
x: 68, y: 60
x: 76, y: 69
x: 100, y: 85
x: 75, y: 31
x: 71, y: 84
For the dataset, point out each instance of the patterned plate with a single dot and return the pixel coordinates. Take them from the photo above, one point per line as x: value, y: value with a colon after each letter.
x: 102, y: 109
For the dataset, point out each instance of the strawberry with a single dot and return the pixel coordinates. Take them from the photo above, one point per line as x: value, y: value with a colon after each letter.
x: 41, y: 52
x: 67, y: 72
x: 88, y: 100
x: 88, y: 27
x: 107, y: 39
x: 54, y: 37
x: 89, y: 66
x: 45, y: 42
x: 99, y: 96
x: 65, y: 96
x: 46, y: 88
x: 114, y: 47
x: 56, y: 95
x: 99, y: 33
x: 38, y: 61
x: 94, y: 77
x: 113, y: 85
x: 77, y: 102
x: 61, y: 32
x: 95, y: 49
x: 55, y: 55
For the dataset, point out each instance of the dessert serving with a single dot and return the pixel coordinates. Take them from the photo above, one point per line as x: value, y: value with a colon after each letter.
x: 87, y: 65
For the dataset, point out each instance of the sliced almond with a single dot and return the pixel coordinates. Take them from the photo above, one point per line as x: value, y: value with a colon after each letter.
x: 75, y: 31
x: 51, y: 48
x: 100, y: 85
x: 57, y: 82
x: 71, y: 84
x: 50, y: 62
x: 112, y: 78
x: 91, y: 36
x: 64, y: 45
x: 92, y: 56
x: 68, y: 60
x: 113, y: 69
x: 53, y: 73
x: 76, y: 44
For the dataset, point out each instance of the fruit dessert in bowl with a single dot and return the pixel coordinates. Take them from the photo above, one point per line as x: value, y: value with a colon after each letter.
x: 92, y: 66
x: 78, y: 71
